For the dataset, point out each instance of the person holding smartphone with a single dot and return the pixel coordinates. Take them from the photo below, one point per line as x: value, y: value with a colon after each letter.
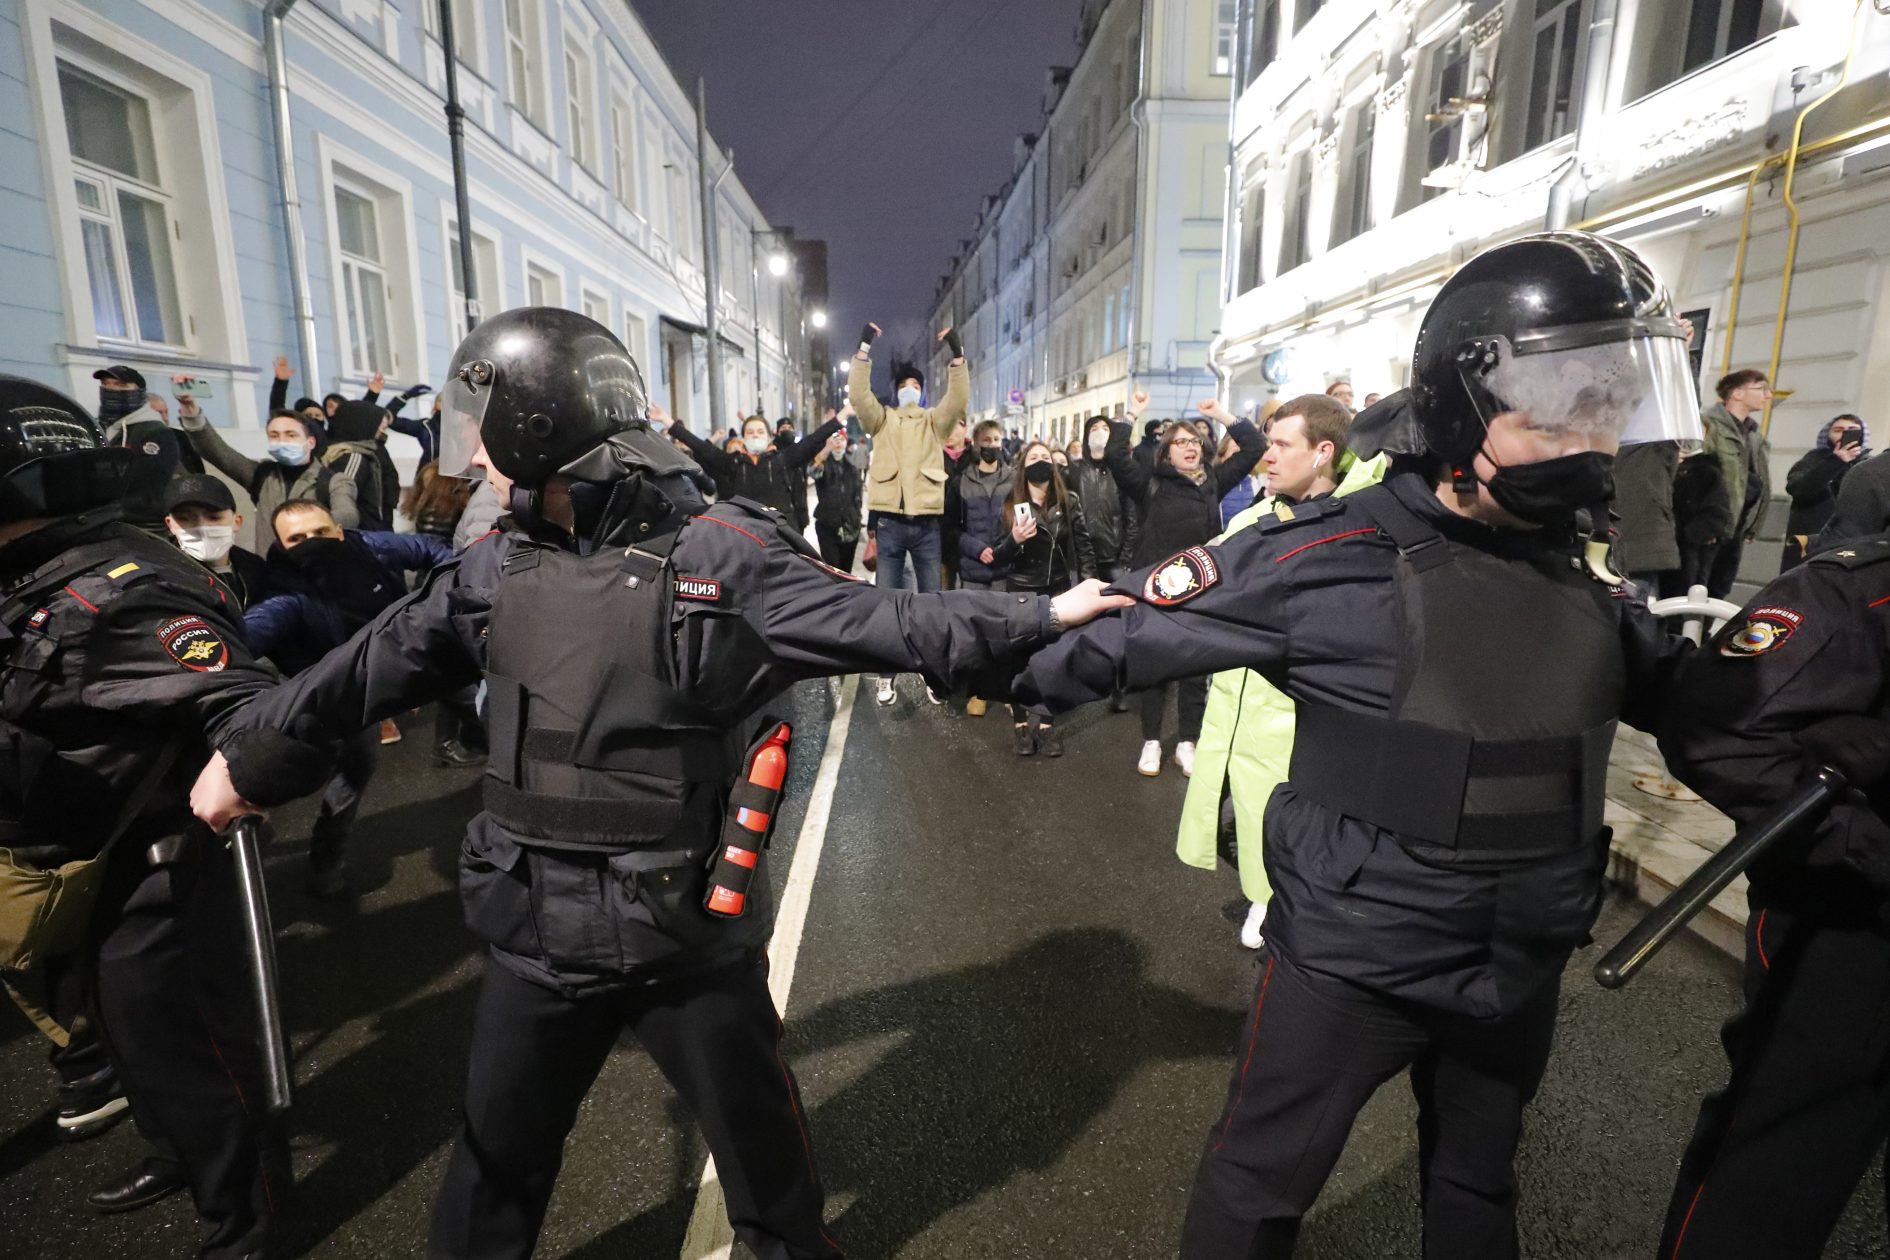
x: 1813, y: 483
x: 1047, y: 551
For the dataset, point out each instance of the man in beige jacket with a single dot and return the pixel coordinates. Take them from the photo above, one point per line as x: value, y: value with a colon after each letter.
x: 905, y: 483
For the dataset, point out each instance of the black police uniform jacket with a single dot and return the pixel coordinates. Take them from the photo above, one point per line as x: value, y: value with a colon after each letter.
x: 117, y: 646
x: 1814, y: 644
x: 1439, y: 836
x: 621, y: 685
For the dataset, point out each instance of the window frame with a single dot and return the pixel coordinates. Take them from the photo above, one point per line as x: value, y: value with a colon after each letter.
x: 625, y: 161
x: 491, y: 296
x: 391, y: 194
x: 580, y: 104
x: 353, y: 268
x: 530, y: 261
x: 113, y: 187
x: 468, y: 30
x: 529, y: 41
x: 587, y: 294
x: 1569, y: 19
x: 1352, y: 207
x: 1296, y: 225
x: 1226, y: 38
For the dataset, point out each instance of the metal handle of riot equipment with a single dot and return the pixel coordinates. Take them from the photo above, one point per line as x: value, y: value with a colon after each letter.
x: 1696, y: 892
x: 260, y: 937
x: 1703, y: 614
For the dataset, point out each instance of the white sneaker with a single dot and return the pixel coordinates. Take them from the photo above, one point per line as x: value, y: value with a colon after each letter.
x: 1184, y: 757
x: 1250, y: 934
x: 1150, y: 762
x: 885, y: 694
x: 933, y: 696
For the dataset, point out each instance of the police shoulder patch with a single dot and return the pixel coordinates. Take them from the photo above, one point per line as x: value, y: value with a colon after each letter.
x: 1181, y: 578
x: 702, y: 590
x: 193, y: 643
x: 1764, y: 630
x: 824, y: 567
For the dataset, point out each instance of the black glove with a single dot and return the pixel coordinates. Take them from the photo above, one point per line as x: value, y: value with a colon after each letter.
x: 1856, y: 746
x: 867, y: 334
x: 955, y: 343
x: 414, y: 391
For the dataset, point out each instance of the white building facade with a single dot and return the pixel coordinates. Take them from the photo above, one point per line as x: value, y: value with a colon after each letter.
x: 1377, y: 144
x: 1096, y: 268
x: 148, y: 222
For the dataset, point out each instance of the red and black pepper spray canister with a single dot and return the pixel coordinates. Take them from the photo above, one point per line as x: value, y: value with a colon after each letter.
x: 752, y: 808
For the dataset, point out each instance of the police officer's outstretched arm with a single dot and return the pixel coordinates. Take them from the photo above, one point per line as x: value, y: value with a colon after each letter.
x: 1201, y: 611
x: 1798, y: 678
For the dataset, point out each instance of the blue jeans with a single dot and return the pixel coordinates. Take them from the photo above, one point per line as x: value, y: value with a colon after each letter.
x: 913, y: 538
x: 903, y: 538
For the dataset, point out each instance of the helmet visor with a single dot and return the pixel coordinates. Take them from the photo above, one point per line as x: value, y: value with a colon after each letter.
x: 1639, y: 389
x: 462, y: 410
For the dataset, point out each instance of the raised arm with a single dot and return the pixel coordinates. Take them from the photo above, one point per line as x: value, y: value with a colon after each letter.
x: 209, y: 444
x: 953, y: 407
x: 800, y: 454
x: 1132, y: 479
x: 860, y: 385
x: 1252, y: 443
x: 715, y: 461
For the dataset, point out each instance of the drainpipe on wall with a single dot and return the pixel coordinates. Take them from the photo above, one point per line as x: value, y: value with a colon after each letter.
x: 1594, y: 102
x: 1138, y: 114
x: 278, y: 63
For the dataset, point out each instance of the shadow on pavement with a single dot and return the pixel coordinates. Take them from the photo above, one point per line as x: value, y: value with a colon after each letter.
x: 999, y: 1070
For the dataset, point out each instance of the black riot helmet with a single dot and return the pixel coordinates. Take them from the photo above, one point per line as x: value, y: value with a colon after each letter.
x: 53, y: 457
x: 540, y: 387
x: 1571, y: 328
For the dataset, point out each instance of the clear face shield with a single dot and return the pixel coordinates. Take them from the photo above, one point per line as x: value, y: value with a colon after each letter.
x: 1628, y: 381
x: 463, y: 403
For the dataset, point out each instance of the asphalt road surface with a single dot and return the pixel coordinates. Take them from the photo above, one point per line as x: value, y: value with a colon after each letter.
x: 1013, y: 1017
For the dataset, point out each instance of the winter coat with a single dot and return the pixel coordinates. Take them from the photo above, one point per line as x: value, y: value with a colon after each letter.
x: 160, y: 457
x: 1745, y: 461
x: 907, y: 474
x: 948, y: 526
x: 1645, y: 538
x: 1863, y: 503
x: 354, y: 456
x: 270, y: 484
x: 1246, y: 739
x: 358, y: 577
x: 983, y: 522
x: 1246, y: 492
x: 1056, y: 557
x: 1177, y: 512
x: 1104, y: 511
x: 775, y: 478
x: 480, y: 518
x: 837, y: 487
x: 1702, y: 510
x: 1813, y: 484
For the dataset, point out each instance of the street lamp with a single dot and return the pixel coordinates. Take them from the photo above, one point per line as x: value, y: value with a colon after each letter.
x: 820, y: 319
x: 777, y: 264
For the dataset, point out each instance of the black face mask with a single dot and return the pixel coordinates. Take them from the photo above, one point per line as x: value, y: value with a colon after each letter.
x: 1551, y: 491
x: 1039, y: 473
x: 116, y: 404
x: 990, y: 454
x: 315, y: 553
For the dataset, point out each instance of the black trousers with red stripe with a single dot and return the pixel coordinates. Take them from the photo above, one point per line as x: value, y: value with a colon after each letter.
x: 1314, y: 1054
x: 173, y: 997
x: 535, y: 1054
x: 1777, y: 1153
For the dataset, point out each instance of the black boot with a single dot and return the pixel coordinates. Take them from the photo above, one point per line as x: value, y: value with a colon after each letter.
x: 1049, y: 743
x: 154, y: 1178
x: 1023, y: 740
x: 90, y: 1105
x: 450, y: 754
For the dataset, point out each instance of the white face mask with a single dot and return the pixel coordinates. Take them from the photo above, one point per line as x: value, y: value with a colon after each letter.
x: 206, y: 543
x: 756, y: 445
x: 909, y: 397
x: 1098, y: 442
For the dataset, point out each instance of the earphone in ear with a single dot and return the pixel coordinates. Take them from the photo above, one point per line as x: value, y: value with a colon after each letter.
x: 1319, y: 460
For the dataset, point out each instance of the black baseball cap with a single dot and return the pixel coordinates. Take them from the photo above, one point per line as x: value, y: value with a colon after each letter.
x: 201, y: 489
x: 119, y: 372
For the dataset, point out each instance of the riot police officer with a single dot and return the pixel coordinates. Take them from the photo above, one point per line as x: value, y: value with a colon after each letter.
x: 1798, y: 680
x: 121, y: 657
x: 1457, y: 668
x: 628, y: 636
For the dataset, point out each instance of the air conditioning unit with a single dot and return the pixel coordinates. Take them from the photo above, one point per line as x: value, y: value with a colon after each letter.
x: 1082, y: 380
x: 1063, y: 386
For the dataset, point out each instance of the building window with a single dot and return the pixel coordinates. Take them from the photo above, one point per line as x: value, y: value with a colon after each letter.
x: 623, y: 152
x: 636, y: 338
x: 465, y: 27
x: 543, y: 286
x: 525, y: 58
x: 1303, y: 12
x: 1443, y: 141
x: 1247, y: 266
x: 579, y: 106
x: 1556, y: 39
x: 1266, y: 37
x: 1355, y: 187
x: 1226, y: 22
x: 124, y: 211
x: 1719, y: 28
x: 597, y: 307
x: 1296, y: 234
x: 485, y: 271
x: 363, y: 281
x: 682, y: 208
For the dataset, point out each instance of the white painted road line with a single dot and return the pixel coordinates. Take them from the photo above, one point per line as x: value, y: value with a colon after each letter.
x: 709, y: 1236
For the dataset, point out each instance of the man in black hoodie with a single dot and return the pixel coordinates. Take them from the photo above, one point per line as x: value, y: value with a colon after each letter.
x: 357, y: 491
x: 139, y: 421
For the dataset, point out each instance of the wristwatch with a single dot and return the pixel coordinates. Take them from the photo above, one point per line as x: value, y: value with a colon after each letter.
x: 1056, y: 621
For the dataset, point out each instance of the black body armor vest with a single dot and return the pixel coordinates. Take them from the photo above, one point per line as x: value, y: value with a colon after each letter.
x: 1494, y: 753
x: 593, y: 746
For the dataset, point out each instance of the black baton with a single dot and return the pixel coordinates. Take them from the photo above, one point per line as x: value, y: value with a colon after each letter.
x: 260, y: 934
x: 1808, y: 804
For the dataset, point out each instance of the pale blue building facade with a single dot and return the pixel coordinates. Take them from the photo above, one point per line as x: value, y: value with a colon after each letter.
x: 144, y: 213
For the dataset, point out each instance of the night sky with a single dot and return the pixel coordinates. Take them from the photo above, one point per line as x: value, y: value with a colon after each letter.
x: 874, y: 125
